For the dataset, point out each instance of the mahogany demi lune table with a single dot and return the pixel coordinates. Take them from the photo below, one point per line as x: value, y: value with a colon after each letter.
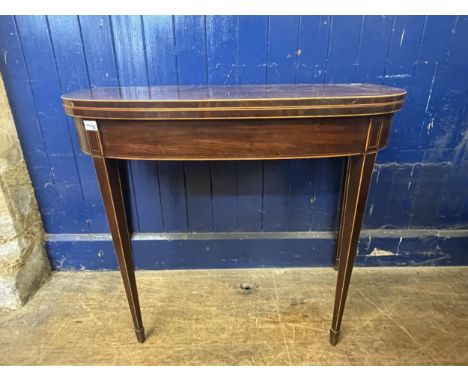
x: 236, y: 123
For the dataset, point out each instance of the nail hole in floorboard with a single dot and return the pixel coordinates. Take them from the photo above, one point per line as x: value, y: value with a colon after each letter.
x: 247, y: 287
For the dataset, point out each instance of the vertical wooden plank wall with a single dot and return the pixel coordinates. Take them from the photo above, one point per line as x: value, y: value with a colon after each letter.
x: 44, y: 57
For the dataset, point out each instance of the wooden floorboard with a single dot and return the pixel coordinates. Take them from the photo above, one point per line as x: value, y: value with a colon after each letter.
x: 394, y: 316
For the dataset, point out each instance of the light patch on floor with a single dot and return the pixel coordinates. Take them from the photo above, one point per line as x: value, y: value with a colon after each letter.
x: 394, y: 316
x: 380, y: 252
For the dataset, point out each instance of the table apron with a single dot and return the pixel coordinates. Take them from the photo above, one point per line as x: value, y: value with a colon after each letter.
x: 234, y: 139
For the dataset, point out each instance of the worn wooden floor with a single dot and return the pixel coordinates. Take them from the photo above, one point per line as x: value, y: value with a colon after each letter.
x: 394, y: 316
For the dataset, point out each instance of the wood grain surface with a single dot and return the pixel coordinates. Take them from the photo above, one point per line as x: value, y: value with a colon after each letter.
x: 407, y: 316
x: 220, y: 139
x: 233, y: 102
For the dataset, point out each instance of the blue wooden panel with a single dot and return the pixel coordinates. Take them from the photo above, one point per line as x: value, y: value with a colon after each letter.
x: 159, y: 46
x: 460, y: 151
x: 190, y: 49
x: 452, y: 199
x: 414, y: 126
x: 314, y: 38
x: 24, y: 112
x: 437, y: 127
x: 40, y: 63
x: 65, y: 36
x: 128, y: 185
x: 97, y: 255
x: 445, y: 108
x: 434, y: 50
x: 458, y: 51
x: 249, y: 195
x: 275, y: 195
x: 129, y: 50
x: 195, y: 254
x: 373, y: 51
x: 41, y: 66
x: 69, y: 58
x: 221, y: 47
x: 224, y: 184
x: 436, y: 37
x: 403, y: 49
x: 327, y: 191
x: 252, y: 49
x: 199, y: 202
x: 147, y: 197
x: 461, y: 212
x: 199, y: 194
x: 301, y: 194
x: 377, y: 203
x: 345, y: 35
x: 99, y: 51
x: 431, y: 182
x: 283, y: 35
x: 73, y: 75
x: 427, y: 149
x: 96, y: 215
x: 402, y: 189
x: 418, y: 252
x: 173, y: 196
x: 400, y: 68
x: 399, y: 181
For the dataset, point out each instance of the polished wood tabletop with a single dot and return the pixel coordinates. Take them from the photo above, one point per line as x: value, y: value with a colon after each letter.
x: 233, y: 102
x: 236, y: 123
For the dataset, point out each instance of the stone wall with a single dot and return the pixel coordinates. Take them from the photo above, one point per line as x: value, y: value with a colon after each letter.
x: 23, y: 262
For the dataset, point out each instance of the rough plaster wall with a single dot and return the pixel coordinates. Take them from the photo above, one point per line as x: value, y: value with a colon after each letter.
x: 23, y: 262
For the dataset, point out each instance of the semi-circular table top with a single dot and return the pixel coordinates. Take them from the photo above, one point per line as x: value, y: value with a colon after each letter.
x: 234, y: 101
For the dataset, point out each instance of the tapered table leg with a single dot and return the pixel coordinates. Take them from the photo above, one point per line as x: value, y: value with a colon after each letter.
x: 357, y: 181
x: 108, y: 175
x: 336, y: 260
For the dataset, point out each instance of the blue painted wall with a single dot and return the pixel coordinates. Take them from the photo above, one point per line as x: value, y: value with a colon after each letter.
x: 420, y: 180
